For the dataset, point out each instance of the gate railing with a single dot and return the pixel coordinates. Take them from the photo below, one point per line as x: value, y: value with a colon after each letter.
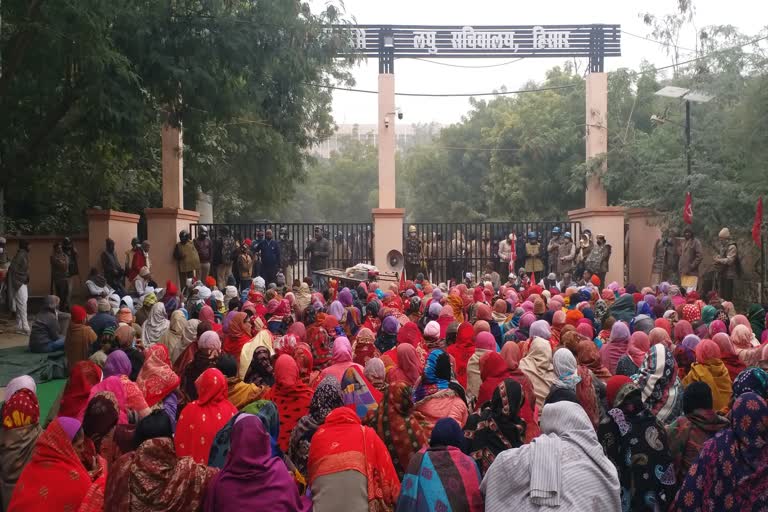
x: 351, y: 243
x: 450, y: 250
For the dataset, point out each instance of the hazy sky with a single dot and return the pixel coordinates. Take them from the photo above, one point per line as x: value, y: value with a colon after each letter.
x: 749, y: 16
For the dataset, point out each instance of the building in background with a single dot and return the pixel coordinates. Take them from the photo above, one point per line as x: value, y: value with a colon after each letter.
x: 407, y: 135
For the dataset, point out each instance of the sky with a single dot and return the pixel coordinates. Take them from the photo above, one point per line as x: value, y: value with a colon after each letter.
x: 415, y: 76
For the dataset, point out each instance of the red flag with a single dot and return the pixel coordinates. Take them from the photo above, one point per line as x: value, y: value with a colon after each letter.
x: 402, y: 280
x: 758, y: 223
x: 688, y: 209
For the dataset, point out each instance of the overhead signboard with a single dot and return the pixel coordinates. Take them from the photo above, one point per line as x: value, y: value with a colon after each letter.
x: 440, y: 41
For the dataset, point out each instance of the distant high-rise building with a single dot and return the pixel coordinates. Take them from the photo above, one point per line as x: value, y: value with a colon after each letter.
x: 406, y: 135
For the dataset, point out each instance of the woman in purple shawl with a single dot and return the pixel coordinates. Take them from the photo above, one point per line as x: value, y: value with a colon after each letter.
x: 117, y: 364
x: 616, y: 347
x: 252, y: 479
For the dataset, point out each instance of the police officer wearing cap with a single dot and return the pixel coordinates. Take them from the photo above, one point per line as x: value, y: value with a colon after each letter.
x: 186, y: 257
x: 553, y: 251
x: 412, y: 253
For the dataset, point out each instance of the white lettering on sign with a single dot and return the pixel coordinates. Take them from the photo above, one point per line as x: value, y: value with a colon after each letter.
x: 468, y: 37
x: 425, y: 39
x: 550, y: 38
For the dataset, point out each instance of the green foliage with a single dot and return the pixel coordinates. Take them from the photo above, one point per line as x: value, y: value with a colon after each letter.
x: 86, y: 85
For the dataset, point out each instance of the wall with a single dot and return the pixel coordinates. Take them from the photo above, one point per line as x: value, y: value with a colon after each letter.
x: 643, y: 233
x: 40, y: 250
x: 119, y: 226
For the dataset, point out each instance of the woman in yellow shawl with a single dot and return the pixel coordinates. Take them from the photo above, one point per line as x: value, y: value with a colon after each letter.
x: 238, y: 392
x: 709, y: 368
x: 172, y: 337
x: 262, y: 339
x: 457, y: 305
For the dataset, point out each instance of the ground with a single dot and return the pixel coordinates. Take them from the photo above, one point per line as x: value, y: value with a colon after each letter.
x: 9, y: 338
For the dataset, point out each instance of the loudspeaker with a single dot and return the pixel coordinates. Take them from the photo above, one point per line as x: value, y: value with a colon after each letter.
x: 395, y: 260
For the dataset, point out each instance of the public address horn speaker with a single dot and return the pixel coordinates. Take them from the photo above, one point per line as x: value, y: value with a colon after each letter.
x: 395, y: 260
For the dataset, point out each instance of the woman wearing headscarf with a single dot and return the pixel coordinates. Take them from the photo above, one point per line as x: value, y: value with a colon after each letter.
x: 565, y: 469
x: 629, y: 363
x: 617, y: 346
x: 658, y: 381
x: 364, y: 348
x: 252, y: 477
x: 756, y: 316
x: 537, y: 366
x: 433, y: 471
x: 238, y: 335
x: 484, y: 343
x: 350, y: 467
x: 728, y: 355
x: 128, y: 394
x: 104, y: 436
x: 82, y: 377
x: 153, y: 478
x: 659, y: 335
x: 403, y: 429
x: 731, y: 471
x: 341, y: 360
x: 682, y: 329
x: 19, y: 432
x: 511, y: 356
x: 80, y: 337
x: 688, y: 433
x: 577, y: 378
x: 155, y: 325
x: 260, y: 371
x: 408, y: 368
x: 171, y: 338
x: 632, y: 432
x: 202, y: 418
x: 685, y: 354
x: 376, y: 373
x: 498, y: 426
x: 623, y: 309
x: 157, y: 381
x: 436, y: 395
x: 239, y: 393
x: 588, y: 355
x: 291, y: 396
x: 326, y: 398
x: 387, y: 338
x: 744, y: 343
x: 54, y: 479
x: 205, y: 355
x: 709, y: 368
x: 461, y: 351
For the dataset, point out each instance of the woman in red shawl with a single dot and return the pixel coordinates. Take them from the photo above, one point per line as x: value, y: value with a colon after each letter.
x: 83, y: 376
x: 303, y: 356
x: 320, y: 340
x: 156, y: 379
x: 349, y: 467
x: 410, y: 334
x: 291, y: 396
x: 728, y: 355
x: 239, y: 334
x: 462, y: 350
x: 445, y: 319
x: 206, y: 315
x: 682, y: 329
x: 558, y: 322
x: 202, y: 419
x: 409, y: 366
x: 403, y: 430
x: 588, y: 355
x: 55, y: 479
x: 364, y: 349
x: 511, y: 354
x: 493, y: 370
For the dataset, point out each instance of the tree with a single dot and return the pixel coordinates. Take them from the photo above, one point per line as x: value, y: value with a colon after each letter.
x: 86, y: 85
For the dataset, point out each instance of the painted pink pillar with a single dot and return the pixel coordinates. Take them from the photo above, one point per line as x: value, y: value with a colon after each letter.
x: 164, y: 224
x: 609, y: 221
x: 643, y: 231
x: 387, y: 218
x: 103, y: 224
x: 597, y: 137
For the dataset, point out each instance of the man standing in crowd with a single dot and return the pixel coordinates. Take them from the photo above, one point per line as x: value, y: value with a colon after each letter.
x: 597, y: 261
x: 318, y: 251
x: 553, y: 251
x: 566, y: 254
x: 18, y: 279
x: 186, y: 257
x: 74, y: 269
x: 412, y: 253
x: 113, y: 271
x: 228, y: 255
x: 204, y: 248
x: 506, y: 248
x: 727, y: 264
x: 130, y: 256
x: 533, y: 261
x: 269, y: 252
x: 583, y: 251
x: 288, y: 255
x: 244, y: 265
x: 60, y: 273
x: 255, y: 252
x: 456, y: 258
x: 341, y: 253
x: 690, y: 259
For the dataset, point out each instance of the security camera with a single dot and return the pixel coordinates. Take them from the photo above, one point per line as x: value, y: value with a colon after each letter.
x: 400, y: 115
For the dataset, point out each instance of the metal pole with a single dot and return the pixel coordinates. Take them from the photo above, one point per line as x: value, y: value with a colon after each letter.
x: 688, y: 138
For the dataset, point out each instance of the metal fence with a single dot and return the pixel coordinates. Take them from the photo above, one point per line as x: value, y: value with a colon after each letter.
x: 450, y: 250
x: 351, y: 243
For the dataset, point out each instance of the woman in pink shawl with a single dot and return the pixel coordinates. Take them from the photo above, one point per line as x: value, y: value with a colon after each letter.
x: 728, y: 355
x: 408, y: 368
x: 445, y: 319
x: 252, y: 479
x: 616, y: 347
x: 341, y: 360
x: 682, y: 329
x: 716, y: 327
x: 738, y: 320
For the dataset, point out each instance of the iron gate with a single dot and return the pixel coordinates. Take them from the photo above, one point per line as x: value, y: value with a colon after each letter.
x: 449, y: 250
x: 351, y: 243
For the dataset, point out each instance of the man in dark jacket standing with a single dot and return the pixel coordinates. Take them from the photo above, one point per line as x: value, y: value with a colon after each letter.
x: 727, y: 265
x: 690, y: 259
x: 204, y: 248
x: 269, y: 250
x: 113, y: 271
